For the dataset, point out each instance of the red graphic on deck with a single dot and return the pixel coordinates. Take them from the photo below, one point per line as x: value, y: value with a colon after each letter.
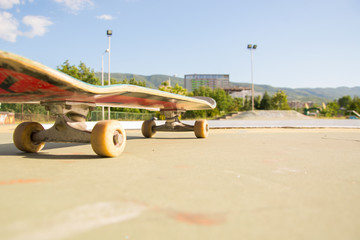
x: 20, y: 87
x: 19, y: 83
x: 128, y: 100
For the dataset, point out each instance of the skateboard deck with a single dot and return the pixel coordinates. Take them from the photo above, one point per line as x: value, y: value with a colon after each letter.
x: 26, y: 81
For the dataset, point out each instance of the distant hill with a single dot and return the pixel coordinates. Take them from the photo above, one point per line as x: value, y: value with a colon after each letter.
x: 152, y: 81
x: 300, y: 94
x: 306, y: 94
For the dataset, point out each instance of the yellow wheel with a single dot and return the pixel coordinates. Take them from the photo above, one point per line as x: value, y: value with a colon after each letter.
x: 108, y: 138
x: 201, y: 129
x: 22, y: 137
x: 147, y: 128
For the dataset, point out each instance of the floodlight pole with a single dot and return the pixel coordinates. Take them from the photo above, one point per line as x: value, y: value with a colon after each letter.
x: 251, y: 48
x: 102, y: 81
x: 109, y: 33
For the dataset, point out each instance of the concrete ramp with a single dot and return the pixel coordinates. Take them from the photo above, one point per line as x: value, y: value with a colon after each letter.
x: 356, y: 113
x: 269, y: 115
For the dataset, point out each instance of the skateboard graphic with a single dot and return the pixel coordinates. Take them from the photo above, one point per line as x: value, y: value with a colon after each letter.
x: 26, y: 81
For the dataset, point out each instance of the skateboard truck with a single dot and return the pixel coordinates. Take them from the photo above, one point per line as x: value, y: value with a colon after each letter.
x: 108, y: 138
x: 173, y: 124
x: 64, y: 130
x: 76, y: 111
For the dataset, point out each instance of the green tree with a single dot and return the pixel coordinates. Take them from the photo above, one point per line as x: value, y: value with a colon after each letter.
x: 257, y: 102
x: 177, y: 89
x: 355, y: 104
x: 345, y: 102
x: 332, y: 109
x: 247, y: 104
x: 137, y: 83
x: 132, y: 81
x: 203, y: 91
x: 81, y: 72
x: 224, y: 103
x: 223, y: 100
x: 279, y: 101
x: 238, y: 104
x: 265, y: 103
x: 23, y: 108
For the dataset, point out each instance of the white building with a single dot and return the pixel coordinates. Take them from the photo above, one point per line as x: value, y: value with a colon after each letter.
x: 213, y: 81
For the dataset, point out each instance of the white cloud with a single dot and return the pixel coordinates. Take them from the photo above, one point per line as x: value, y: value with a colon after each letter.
x: 105, y: 17
x: 8, y: 27
x: 38, y: 24
x: 75, y: 5
x: 7, y: 4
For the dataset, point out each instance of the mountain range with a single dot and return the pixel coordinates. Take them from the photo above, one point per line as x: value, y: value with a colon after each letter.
x: 317, y: 95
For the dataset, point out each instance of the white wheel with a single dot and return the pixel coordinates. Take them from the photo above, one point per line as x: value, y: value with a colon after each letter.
x: 201, y: 129
x: 147, y: 128
x: 22, y: 137
x: 108, y: 138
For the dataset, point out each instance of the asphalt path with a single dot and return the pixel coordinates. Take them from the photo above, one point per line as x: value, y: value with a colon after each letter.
x: 248, y: 183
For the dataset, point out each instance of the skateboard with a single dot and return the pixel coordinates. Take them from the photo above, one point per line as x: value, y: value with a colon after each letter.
x: 25, y: 81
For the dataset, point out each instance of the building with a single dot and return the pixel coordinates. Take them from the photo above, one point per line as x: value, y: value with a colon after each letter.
x: 213, y: 81
x: 242, y: 92
x: 238, y: 92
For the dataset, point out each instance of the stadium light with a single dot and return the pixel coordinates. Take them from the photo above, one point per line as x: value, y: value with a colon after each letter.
x: 109, y: 33
x: 102, y: 79
x: 251, y: 48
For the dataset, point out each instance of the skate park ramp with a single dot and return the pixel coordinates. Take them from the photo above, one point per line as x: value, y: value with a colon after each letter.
x: 269, y: 115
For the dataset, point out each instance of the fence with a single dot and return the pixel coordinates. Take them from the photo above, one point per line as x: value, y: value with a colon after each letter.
x: 123, y: 116
x: 7, y: 118
x: 93, y: 116
x: 34, y: 117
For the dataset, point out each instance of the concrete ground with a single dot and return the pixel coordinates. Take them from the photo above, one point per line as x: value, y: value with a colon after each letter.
x: 236, y: 184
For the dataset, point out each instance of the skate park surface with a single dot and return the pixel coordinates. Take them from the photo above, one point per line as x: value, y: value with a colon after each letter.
x: 261, y: 182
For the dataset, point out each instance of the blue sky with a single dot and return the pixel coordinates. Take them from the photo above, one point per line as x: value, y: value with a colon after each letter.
x: 301, y: 43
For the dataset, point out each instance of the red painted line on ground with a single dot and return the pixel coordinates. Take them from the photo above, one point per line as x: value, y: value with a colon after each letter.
x: 199, y: 219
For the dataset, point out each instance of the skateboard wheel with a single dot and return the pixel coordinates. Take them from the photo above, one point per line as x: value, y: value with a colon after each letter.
x: 22, y: 137
x: 147, y: 128
x: 108, y: 138
x: 201, y: 129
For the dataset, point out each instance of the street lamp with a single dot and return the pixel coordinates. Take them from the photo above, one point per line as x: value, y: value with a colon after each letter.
x: 251, y: 48
x: 102, y: 78
x: 109, y: 33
